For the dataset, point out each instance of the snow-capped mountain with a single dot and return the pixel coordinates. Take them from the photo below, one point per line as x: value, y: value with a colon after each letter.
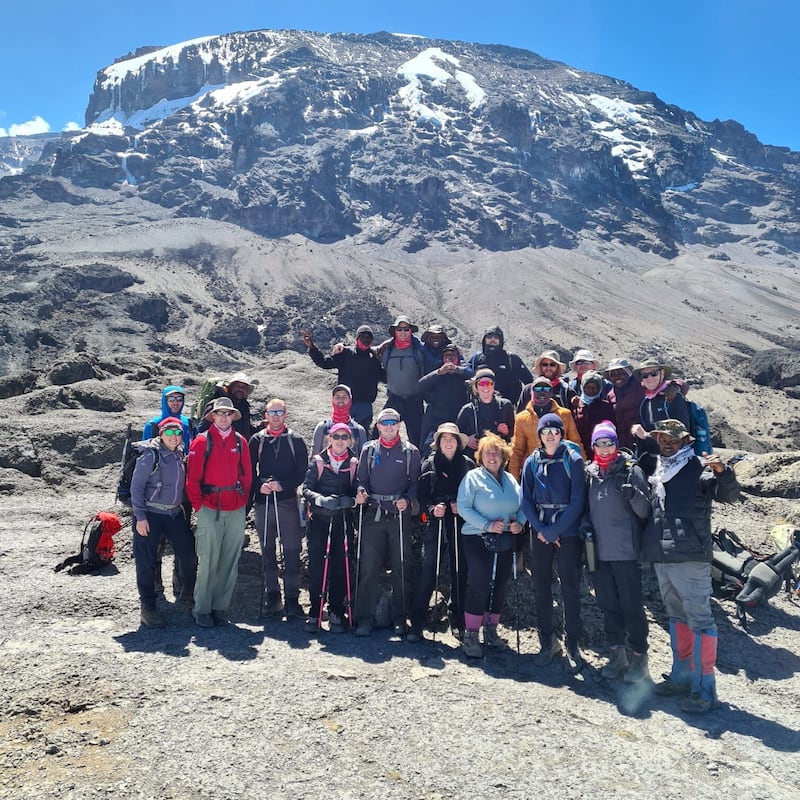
x: 395, y: 137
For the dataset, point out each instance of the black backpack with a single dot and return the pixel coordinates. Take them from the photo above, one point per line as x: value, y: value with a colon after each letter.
x: 130, y: 452
x: 97, y: 545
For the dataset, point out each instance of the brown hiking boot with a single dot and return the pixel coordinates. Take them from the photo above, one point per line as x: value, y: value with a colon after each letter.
x: 151, y: 618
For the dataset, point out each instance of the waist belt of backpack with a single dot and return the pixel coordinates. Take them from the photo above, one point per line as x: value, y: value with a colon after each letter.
x: 161, y: 508
x: 379, y: 498
x: 557, y: 506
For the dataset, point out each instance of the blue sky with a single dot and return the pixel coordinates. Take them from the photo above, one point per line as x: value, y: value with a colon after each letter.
x: 727, y: 59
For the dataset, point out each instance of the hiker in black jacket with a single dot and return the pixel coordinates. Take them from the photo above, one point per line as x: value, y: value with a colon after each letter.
x: 441, y: 474
x: 445, y: 391
x: 487, y: 413
x: 280, y: 458
x: 329, y: 489
x: 677, y: 540
x: 510, y: 372
x: 359, y: 368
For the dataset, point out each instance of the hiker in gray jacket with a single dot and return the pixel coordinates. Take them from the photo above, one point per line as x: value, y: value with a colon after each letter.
x: 156, y: 496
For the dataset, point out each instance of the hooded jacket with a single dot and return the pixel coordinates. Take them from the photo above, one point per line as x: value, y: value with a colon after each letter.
x: 510, y: 373
x: 151, y: 426
x: 526, y: 438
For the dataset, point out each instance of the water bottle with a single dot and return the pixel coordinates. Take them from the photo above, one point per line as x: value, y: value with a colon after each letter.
x: 590, y: 551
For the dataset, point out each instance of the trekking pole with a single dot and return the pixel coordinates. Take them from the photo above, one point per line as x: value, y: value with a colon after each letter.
x: 263, y: 542
x: 492, y: 581
x: 436, y: 585
x: 457, y: 585
x: 278, y: 529
x: 325, y: 574
x: 516, y: 592
x: 402, y: 569
x: 358, y: 555
x: 347, y: 567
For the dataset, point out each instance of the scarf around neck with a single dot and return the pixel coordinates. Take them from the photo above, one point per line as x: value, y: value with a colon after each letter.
x: 667, y: 469
x: 655, y: 392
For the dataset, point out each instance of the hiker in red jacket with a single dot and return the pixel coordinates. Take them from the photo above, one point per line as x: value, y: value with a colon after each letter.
x: 218, y: 480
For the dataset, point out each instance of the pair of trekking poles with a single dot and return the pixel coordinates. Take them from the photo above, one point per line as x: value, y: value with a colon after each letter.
x: 264, y: 546
x: 493, y: 582
x: 323, y: 590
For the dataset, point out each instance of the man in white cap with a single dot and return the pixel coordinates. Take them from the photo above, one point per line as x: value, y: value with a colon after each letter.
x: 582, y: 362
x: 388, y: 472
x: 218, y: 481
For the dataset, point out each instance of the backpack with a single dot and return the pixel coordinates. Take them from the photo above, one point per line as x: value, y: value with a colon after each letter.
x: 320, y: 464
x: 372, y: 445
x: 565, y: 459
x: 130, y: 453
x: 747, y: 577
x: 699, y: 428
x: 262, y: 437
x: 97, y: 545
x: 207, y: 390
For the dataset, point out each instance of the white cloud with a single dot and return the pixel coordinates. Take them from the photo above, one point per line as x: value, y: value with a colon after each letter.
x: 72, y: 126
x: 35, y: 125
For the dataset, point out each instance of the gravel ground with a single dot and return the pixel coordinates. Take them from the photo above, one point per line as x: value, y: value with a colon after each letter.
x: 92, y: 706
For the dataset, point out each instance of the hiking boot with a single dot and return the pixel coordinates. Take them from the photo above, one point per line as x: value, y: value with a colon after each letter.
x: 573, y: 660
x: 204, y: 620
x: 457, y: 633
x: 219, y: 617
x: 311, y: 625
x: 293, y: 608
x: 151, y: 618
x: 697, y: 704
x: 667, y: 688
x: 364, y: 629
x: 414, y: 634
x: 274, y: 604
x: 493, y: 640
x: 548, y: 651
x: 638, y: 669
x: 617, y: 663
x: 399, y: 630
x: 335, y: 623
x: 471, y: 646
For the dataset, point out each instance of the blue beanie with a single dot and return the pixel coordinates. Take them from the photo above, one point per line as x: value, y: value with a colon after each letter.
x: 550, y: 421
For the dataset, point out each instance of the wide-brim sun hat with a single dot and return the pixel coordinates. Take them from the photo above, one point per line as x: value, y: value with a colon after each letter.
x: 652, y: 363
x: 401, y: 321
x: 671, y: 427
x: 584, y: 355
x: 548, y: 355
x: 449, y: 427
x: 244, y: 379
x: 223, y: 404
x: 619, y: 363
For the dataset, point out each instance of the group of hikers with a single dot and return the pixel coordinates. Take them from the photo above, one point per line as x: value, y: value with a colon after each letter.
x: 576, y: 464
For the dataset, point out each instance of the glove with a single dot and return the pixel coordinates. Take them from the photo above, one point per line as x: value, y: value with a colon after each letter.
x: 329, y: 503
x: 627, y: 491
x: 345, y: 501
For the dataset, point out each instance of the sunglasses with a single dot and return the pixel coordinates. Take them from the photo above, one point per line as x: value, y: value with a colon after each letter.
x: 654, y: 373
x: 583, y: 361
x: 389, y: 422
x: 175, y: 398
x: 605, y: 443
x: 276, y: 412
x: 402, y: 328
x: 172, y: 431
x: 542, y: 389
x: 550, y: 431
x: 549, y: 364
x: 340, y: 437
x: 366, y: 336
x: 485, y: 382
x: 223, y: 413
